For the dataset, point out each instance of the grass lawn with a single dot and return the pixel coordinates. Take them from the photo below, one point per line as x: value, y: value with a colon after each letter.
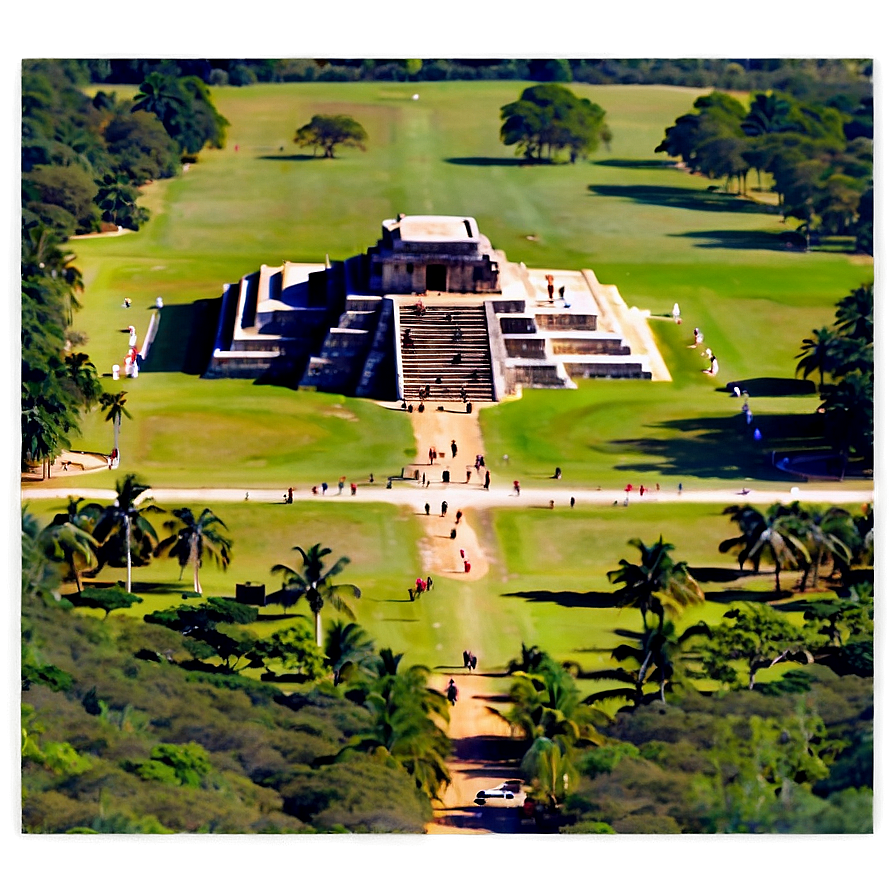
x: 628, y: 214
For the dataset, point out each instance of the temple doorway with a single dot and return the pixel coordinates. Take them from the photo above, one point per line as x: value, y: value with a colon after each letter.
x: 436, y: 278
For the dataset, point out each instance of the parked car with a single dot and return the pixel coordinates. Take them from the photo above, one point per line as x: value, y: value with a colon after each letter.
x: 505, y: 793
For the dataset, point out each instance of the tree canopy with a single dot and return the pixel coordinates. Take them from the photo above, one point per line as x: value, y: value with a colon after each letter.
x: 329, y: 131
x: 549, y: 118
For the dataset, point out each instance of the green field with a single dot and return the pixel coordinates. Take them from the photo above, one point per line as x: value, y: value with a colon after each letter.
x: 628, y: 214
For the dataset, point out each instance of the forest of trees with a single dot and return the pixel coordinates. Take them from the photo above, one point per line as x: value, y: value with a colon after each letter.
x: 152, y: 725
x: 83, y: 162
x: 819, y: 156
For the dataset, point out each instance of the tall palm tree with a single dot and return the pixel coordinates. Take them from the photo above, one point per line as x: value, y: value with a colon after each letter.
x: 313, y: 582
x: 773, y: 536
x: 122, y: 526
x: 656, y: 583
x: 193, y: 538
x: 818, y: 354
x: 114, y: 406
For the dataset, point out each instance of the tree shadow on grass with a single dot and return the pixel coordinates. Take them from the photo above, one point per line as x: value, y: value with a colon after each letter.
x: 293, y: 157
x: 722, y: 447
x: 735, y: 596
x: 592, y: 600
x: 679, y: 197
x: 490, y: 162
x: 718, y: 573
x: 635, y: 163
x: 736, y: 239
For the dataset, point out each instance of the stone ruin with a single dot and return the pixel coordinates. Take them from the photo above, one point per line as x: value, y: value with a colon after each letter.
x: 431, y: 309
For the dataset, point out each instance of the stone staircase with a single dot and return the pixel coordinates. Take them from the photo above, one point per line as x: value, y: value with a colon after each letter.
x: 432, y: 359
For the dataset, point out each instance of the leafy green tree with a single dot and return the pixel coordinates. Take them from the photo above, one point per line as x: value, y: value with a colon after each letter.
x: 293, y: 649
x: 773, y: 535
x: 755, y: 634
x: 329, y: 131
x: 194, y: 538
x: 69, y: 188
x: 551, y: 770
x: 185, y: 765
x: 106, y: 599
x: 122, y: 528
x: 853, y: 613
x: 141, y: 146
x: 849, y: 406
x: 548, y: 118
x: 41, y: 570
x: 214, y: 628
x: 314, y: 582
x: 656, y: 583
x: 855, y: 313
x: 828, y: 535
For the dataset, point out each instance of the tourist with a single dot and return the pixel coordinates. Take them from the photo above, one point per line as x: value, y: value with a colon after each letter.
x: 557, y: 473
x: 467, y: 566
x: 323, y: 489
x: 313, y: 491
x: 451, y: 693
x: 641, y: 491
x: 473, y: 661
x: 457, y: 335
x: 453, y: 448
x: 749, y: 416
x: 411, y: 594
x: 354, y: 489
x: 444, y: 507
x: 488, y: 479
x: 458, y: 517
x: 516, y: 486
x: 456, y: 359
x: 679, y: 489
x: 429, y: 583
x: 426, y: 508
x: 341, y: 484
x: 289, y: 495
x: 572, y: 502
x: 371, y: 478
x: 561, y: 292
x: 467, y: 660
x: 551, y: 504
x: 713, y: 368
x: 676, y: 313
x: 468, y: 477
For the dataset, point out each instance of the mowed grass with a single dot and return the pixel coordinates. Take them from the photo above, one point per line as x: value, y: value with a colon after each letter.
x: 629, y: 215
x: 556, y: 595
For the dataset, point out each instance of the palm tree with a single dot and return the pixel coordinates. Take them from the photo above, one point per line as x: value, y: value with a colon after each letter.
x: 71, y: 538
x: 658, y: 653
x: 84, y: 377
x: 159, y: 96
x: 657, y: 583
x: 123, y: 526
x: 818, y: 354
x: 855, y: 313
x: 193, y: 538
x: 773, y: 536
x: 829, y: 535
x: 114, y: 405
x: 348, y: 648
x: 313, y: 583
x: 547, y: 703
x: 403, y: 728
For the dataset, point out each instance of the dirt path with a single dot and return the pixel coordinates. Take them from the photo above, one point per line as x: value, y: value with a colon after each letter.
x: 480, y: 741
x: 437, y: 430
